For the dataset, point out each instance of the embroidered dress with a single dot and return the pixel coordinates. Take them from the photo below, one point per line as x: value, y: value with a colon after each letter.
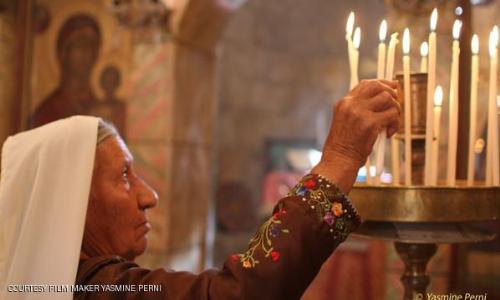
x: 282, y: 258
x: 329, y: 204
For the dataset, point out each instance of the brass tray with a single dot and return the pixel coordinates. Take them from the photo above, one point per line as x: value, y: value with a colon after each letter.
x: 439, y: 233
x: 426, y: 204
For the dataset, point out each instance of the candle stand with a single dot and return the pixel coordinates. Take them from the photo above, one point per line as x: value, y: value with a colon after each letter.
x: 417, y: 218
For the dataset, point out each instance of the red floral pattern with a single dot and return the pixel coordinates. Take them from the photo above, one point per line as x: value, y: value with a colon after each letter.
x: 331, y: 206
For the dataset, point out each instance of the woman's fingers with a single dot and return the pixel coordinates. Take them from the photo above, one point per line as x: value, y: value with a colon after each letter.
x: 389, y: 119
x: 391, y: 131
x: 382, y: 101
x: 391, y: 83
x: 373, y: 87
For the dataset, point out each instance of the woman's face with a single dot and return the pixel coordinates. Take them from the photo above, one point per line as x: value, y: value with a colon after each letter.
x: 116, y: 221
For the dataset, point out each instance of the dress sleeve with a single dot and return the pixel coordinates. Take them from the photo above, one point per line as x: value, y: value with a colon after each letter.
x: 281, y: 260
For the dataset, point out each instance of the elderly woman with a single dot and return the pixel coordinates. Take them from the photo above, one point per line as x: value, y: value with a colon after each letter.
x: 73, y: 215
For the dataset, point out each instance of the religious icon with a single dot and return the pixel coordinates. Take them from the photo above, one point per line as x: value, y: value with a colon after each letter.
x: 78, y: 45
x: 111, y: 108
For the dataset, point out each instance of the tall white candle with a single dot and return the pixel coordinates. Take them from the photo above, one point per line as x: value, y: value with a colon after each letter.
x: 382, y: 33
x: 493, y: 91
x: 389, y: 74
x: 453, y: 108
x: 438, y: 102
x: 382, y: 137
x: 407, y: 105
x: 431, y: 83
x: 356, y: 40
x: 349, y: 27
x: 391, y: 54
x: 473, y: 108
x: 424, y: 51
x: 395, y: 160
x: 492, y: 159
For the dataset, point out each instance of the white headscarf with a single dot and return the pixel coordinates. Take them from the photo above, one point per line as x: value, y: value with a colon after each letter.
x: 44, y: 190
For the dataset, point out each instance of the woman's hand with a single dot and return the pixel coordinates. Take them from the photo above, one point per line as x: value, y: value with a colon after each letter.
x: 358, y: 118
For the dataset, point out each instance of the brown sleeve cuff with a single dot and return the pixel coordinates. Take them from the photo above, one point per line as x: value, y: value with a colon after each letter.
x: 331, y: 205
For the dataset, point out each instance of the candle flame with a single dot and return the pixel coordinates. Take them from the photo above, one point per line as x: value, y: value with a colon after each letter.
x: 382, y: 33
x: 350, y: 24
x: 493, y: 42
x: 498, y: 101
x: 424, y: 49
x: 434, y: 19
x: 479, y: 146
x: 356, y: 40
x: 457, y: 26
x: 475, y: 44
x: 406, y: 41
x: 438, y: 96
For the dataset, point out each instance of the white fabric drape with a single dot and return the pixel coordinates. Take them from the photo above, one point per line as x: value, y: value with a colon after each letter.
x: 44, y: 190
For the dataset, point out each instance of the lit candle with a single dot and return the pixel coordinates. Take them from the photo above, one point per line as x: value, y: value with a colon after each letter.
x: 382, y: 33
x: 453, y: 108
x: 424, y: 51
x: 407, y: 104
x: 473, y: 108
x: 382, y: 137
x: 389, y: 74
x: 492, y: 161
x: 350, y: 47
x: 438, y: 102
x: 431, y: 83
x: 356, y: 40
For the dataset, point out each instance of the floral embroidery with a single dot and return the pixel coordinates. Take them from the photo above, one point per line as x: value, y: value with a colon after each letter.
x: 310, y: 184
x: 302, y: 191
x: 247, y: 264
x: 330, y: 205
x: 337, y: 209
x: 275, y: 255
x: 329, y: 219
x: 262, y: 240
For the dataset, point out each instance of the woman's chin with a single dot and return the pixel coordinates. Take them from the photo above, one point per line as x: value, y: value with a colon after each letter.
x: 140, y: 246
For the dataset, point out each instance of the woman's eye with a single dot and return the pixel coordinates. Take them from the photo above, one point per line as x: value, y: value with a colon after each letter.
x: 125, y: 173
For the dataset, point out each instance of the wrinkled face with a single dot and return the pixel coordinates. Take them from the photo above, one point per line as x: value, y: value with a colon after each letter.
x: 116, y: 221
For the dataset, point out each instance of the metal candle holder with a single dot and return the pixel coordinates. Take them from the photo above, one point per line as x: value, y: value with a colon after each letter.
x: 417, y: 218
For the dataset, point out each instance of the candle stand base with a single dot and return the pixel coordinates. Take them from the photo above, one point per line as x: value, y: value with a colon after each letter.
x: 415, y: 256
x: 418, y: 218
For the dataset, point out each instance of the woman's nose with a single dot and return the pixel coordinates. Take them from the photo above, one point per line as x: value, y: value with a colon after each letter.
x: 147, y: 196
